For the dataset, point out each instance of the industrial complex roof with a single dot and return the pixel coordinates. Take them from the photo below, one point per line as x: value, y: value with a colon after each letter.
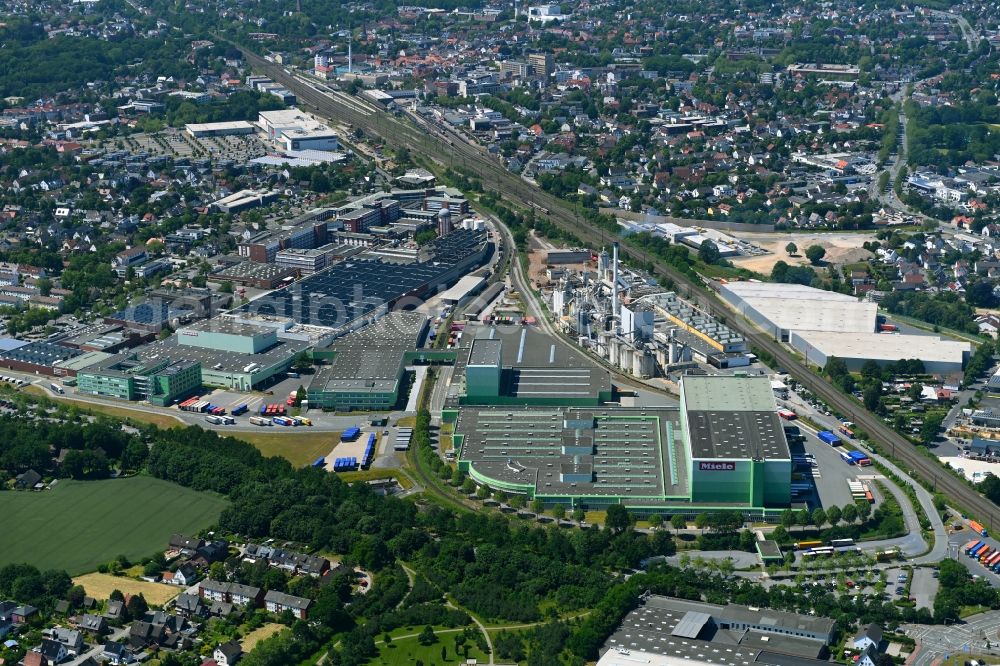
x: 228, y: 326
x: 218, y: 360
x: 887, y: 346
x: 603, y: 451
x: 817, y: 315
x: 371, y: 358
x: 664, y: 631
x: 724, y: 393
x: 40, y: 353
x: 82, y: 361
x: 354, y: 288
x: 538, y: 365
x: 732, y: 417
x: 782, y: 290
x: 795, y: 307
x: 721, y: 434
x: 462, y: 288
x: 485, y: 352
x: 153, y: 312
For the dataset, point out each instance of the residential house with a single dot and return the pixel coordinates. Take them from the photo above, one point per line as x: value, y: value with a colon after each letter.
x: 868, y: 656
x: 184, y: 545
x: 23, y: 614
x: 115, y: 609
x: 35, y: 659
x: 279, y: 602
x: 143, y: 634
x: 287, y: 559
x: 53, y: 651
x: 27, y: 480
x: 870, y: 635
x: 71, y: 638
x: 117, y: 654
x: 989, y: 324
x: 189, y: 605
x: 93, y: 624
x: 234, y: 593
x: 227, y: 654
x: 186, y: 575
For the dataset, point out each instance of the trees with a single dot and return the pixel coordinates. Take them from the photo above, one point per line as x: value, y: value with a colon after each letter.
x: 137, y: 606
x: 558, y: 512
x: 833, y: 515
x: 302, y: 362
x: 931, y: 427
x: 850, y: 513
x: 655, y: 521
x: 791, y: 249
x: 872, y: 396
x: 678, y: 522
x: 579, y: 514
x: 788, y: 518
x: 819, y: 517
x: 618, y: 518
x: 864, y: 510
x: 709, y: 253
x: 537, y: 505
x: 427, y: 636
x: 815, y: 254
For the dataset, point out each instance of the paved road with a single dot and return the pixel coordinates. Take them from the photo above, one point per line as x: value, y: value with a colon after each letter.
x: 939, y: 641
x: 924, y: 587
x: 913, y: 543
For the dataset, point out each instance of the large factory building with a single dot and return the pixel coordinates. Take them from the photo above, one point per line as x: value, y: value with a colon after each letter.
x: 737, y: 446
x: 724, y: 448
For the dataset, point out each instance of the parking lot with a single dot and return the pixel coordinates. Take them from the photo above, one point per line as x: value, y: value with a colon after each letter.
x: 176, y: 143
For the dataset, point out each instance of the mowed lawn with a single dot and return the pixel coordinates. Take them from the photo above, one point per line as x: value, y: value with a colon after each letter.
x: 80, y: 524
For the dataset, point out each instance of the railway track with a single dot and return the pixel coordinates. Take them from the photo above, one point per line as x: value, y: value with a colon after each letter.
x: 450, y: 150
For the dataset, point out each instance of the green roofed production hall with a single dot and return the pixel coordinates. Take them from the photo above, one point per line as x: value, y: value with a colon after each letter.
x: 723, y: 449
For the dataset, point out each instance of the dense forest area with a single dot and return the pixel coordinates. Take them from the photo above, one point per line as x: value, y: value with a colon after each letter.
x: 949, y: 136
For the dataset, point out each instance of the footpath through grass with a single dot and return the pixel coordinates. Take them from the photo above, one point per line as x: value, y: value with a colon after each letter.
x: 80, y: 524
x: 406, y: 649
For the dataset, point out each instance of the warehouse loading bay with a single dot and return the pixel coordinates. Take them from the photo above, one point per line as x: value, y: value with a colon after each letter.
x: 828, y: 474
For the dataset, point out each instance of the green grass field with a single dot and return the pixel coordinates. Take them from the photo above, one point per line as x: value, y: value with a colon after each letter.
x: 80, y: 524
x: 407, y: 651
x: 298, y: 446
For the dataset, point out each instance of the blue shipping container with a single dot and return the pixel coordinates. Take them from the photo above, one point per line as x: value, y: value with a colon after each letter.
x: 828, y: 437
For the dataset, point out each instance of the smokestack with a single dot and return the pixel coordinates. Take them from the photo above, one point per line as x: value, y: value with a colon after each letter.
x: 614, y: 289
x: 350, y: 60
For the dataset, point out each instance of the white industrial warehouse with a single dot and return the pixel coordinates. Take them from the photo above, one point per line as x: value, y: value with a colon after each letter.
x: 940, y: 357
x: 820, y: 324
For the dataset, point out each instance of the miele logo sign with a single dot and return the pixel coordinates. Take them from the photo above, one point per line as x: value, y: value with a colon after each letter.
x: 717, y: 466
